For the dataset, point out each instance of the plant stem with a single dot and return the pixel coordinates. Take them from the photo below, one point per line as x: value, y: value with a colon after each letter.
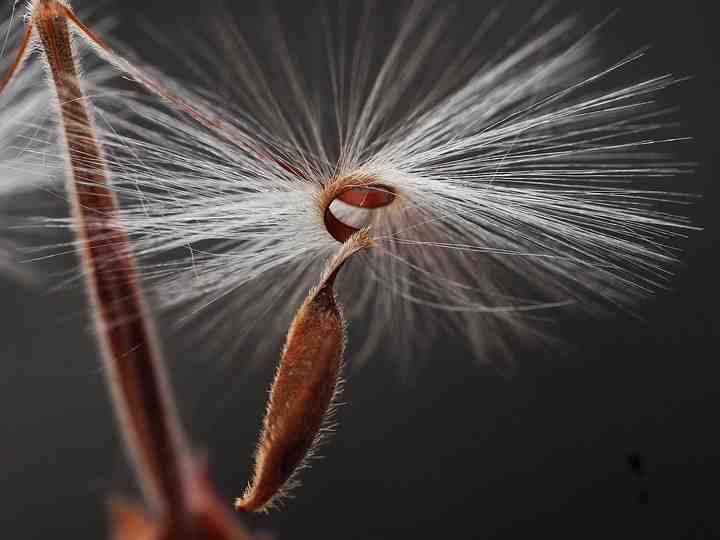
x: 135, y: 374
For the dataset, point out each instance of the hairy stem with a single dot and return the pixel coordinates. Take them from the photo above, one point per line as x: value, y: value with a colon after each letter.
x: 136, y: 377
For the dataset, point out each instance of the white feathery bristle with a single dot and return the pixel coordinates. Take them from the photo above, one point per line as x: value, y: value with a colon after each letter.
x: 528, y: 176
x: 32, y: 163
x: 24, y: 112
x: 23, y: 164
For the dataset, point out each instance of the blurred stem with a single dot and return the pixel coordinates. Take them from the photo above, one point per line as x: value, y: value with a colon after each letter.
x: 136, y: 377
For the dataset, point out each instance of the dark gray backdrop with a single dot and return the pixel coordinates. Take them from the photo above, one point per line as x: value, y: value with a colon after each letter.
x: 454, y: 451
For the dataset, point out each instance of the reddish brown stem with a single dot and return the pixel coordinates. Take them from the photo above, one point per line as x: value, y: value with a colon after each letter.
x: 135, y: 374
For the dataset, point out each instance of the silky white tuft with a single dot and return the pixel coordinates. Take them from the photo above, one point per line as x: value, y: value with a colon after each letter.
x: 527, y: 176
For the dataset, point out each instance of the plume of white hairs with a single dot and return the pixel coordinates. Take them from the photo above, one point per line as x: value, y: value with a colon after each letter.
x: 527, y: 176
x: 32, y: 166
x: 24, y: 105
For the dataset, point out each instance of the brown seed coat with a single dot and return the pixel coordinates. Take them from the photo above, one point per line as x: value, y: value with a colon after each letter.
x: 305, y: 386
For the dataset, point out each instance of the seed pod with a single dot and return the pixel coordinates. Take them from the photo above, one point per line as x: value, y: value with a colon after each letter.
x: 304, y: 389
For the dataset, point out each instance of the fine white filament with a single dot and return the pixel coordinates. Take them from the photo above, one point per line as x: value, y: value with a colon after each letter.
x: 529, y: 175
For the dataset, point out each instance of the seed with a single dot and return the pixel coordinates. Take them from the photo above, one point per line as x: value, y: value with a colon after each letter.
x: 304, y: 389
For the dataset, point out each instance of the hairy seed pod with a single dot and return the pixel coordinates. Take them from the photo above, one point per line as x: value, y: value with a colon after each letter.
x: 305, y: 386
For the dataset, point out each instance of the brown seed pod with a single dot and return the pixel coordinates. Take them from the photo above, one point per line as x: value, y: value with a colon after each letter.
x: 304, y: 388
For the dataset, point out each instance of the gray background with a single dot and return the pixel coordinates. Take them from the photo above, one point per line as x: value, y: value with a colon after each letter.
x: 452, y: 450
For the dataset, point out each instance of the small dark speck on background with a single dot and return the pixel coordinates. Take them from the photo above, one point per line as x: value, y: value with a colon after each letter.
x: 636, y: 463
